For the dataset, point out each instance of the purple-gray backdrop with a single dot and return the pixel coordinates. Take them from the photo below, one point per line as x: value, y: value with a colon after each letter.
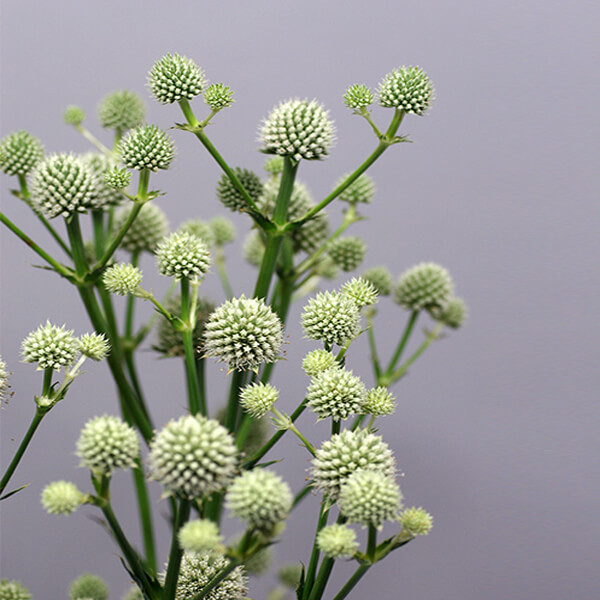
x: 496, y: 430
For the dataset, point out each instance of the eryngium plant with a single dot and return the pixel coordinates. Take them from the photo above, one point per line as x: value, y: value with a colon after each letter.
x: 211, y: 462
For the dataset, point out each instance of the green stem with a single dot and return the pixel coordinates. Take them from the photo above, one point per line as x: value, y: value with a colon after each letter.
x: 145, y: 514
x: 94, y: 141
x: 193, y: 387
x: 237, y: 381
x: 175, y: 553
x: 373, y: 345
x: 335, y: 426
x: 349, y: 585
x: 222, y: 271
x: 98, y: 227
x: 403, y: 341
x: 301, y: 495
x: 322, y: 579
x: 130, y: 306
x: 314, y: 556
x: 372, y: 542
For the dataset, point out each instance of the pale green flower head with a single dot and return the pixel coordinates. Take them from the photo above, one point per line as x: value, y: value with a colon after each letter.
x: 258, y: 398
x: 223, y: 230
x: 100, y: 165
x: 218, y: 96
x: 254, y: 248
x: 62, y: 498
x: 408, y: 89
x: 347, y: 252
x: 199, y: 228
x: 260, y: 498
x: 147, y: 147
x: 134, y: 593
x: 88, y: 587
x: 13, y: 590
x: 290, y: 575
x: 122, y: 279
x: 259, y: 563
x: 121, y: 110
x: 424, y: 286
x: 274, y: 165
x: 20, y: 152
x: 337, y: 541
x: 94, y: 346
x: 149, y: 227
x: 317, y: 361
x: 336, y: 393
x: 117, y: 179
x: 107, y: 443
x: 379, y: 402
x: 49, y: 346
x: 3, y: 380
x: 175, y: 77
x: 193, y: 456
x: 199, y: 535
x: 358, y: 96
x: 361, y: 291
x: 183, y: 256
x: 454, y: 314
x: 245, y: 333
x: 380, y: 278
x: 360, y: 191
x: 416, y: 521
x: 74, y: 115
x: 230, y: 196
x: 298, y: 129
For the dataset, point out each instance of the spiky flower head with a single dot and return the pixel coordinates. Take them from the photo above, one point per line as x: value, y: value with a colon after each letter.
x: 260, y: 498
x: 337, y: 541
x: 134, y: 593
x: 20, y: 152
x: 175, y: 77
x: 406, y: 88
x: 254, y: 248
x: 94, y: 346
x: 223, y: 230
x: 361, y: 291
x: 325, y: 267
x: 169, y: 342
x: 332, y: 318
x: 74, y: 115
x: 347, y: 252
x: 290, y: 575
x: 416, y: 521
x: 370, y: 498
x: 122, y: 279
x: 199, y: 535
x: 358, y: 96
x: 347, y: 452
x: 230, y: 196
x: 193, y: 456
x: 88, y: 587
x: 3, y: 380
x: 182, y: 255
x: 424, y: 286
x: 317, y: 361
x: 149, y: 227
x: 454, y: 314
x: 218, y: 96
x: 274, y: 165
x: 117, y: 179
x: 107, y: 443
x: 121, y: 110
x: 199, y: 228
x: 100, y: 165
x: 50, y: 346
x: 13, y: 590
x: 197, y: 570
x: 244, y: 332
x: 361, y: 190
x: 336, y: 393
x: 62, y: 184
x: 380, y: 278
x: 257, y: 399
x: 379, y: 402
x: 147, y: 147
x: 62, y: 498
x: 298, y: 129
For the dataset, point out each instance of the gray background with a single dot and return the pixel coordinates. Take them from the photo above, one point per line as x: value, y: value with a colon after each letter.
x: 496, y: 430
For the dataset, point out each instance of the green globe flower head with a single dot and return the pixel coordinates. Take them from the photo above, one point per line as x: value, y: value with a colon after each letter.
x: 3, y: 380
x: 407, y: 88
x: 20, y: 152
x: 336, y: 393
x: 229, y: 195
x: 380, y: 278
x: 259, y: 563
x: 175, y: 77
x: 318, y: 361
x: 332, y: 318
x: 290, y: 575
x: 360, y: 191
x: 347, y: 452
x: 361, y: 291
x: 223, y: 230
x: 183, y: 256
x: 325, y: 267
x: 117, y: 179
x: 298, y: 129
x: 274, y: 165
x: 260, y: 498
x: 94, y: 346
x: 149, y: 227
x: 88, y: 587
x: 49, y: 346
x: 100, y: 165
x: 198, y: 569
x: 347, y: 252
x: 62, y: 184
x: 121, y: 110
x: 107, y: 443
x: 257, y: 399
x: 454, y: 314
x: 254, y: 248
x: 122, y: 279
x: 147, y: 147
x: 218, y: 96
x: 425, y: 286
x: 244, y: 332
x: 134, y: 593
x: 74, y: 115
x: 199, y: 535
x: 62, y: 498
x: 337, y: 541
x: 370, y: 498
x: 358, y: 96
x: 379, y: 402
x: 193, y: 456
x: 199, y: 228
x: 13, y: 590
x: 416, y: 521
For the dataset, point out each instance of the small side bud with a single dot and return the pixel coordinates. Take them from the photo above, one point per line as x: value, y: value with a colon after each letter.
x: 74, y: 115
